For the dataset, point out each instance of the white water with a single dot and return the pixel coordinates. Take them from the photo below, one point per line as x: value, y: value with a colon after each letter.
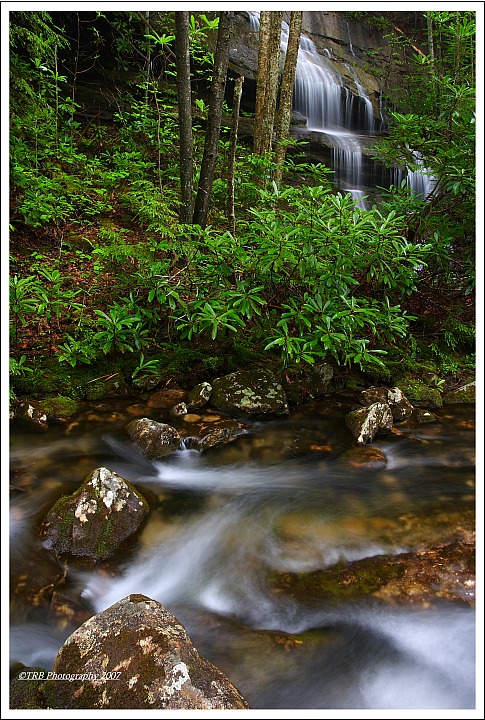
x: 221, y: 530
x: 320, y: 95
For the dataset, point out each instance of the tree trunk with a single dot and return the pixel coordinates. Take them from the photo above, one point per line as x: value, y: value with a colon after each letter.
x: 186, y: 151
x: 267, y: 80
x: 206, y: 179
x: 232, y: 152
x: 286, y: 94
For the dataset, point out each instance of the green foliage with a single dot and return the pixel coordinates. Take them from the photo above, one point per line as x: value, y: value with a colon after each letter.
x: 120, y: 330
x: 146, y: 367
x: 437, y: 135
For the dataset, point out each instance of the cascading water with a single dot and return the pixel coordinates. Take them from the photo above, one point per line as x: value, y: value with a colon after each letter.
x: 344, y: 117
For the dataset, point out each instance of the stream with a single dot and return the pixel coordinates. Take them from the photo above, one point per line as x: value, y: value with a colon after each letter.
x: 282, y: 498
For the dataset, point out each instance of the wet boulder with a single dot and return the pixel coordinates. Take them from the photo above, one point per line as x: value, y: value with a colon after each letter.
x: 155, y: 439
x: 206, y: 431
x: 464, y: 394
x: 199, y: 396
x: 95, y: 520
x: 167, y: 398
x: 400, y: 406
x: 249, y: 392
x: 420, y: 394
x: 365, y: 423
x: 44, y: 412
x: 136, y: 655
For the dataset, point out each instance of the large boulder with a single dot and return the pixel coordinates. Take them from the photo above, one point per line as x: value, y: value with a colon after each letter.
x: 95, y: 520
x: 249, y: 392
x: 136, y: 655
x: 155, y: 439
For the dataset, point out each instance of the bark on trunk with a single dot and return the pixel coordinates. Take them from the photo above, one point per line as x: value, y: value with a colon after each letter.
x: 206, y: 179
x: 286, y: 94
x: 267, y: 80
x: 182, y: 60
x: 231, y: 216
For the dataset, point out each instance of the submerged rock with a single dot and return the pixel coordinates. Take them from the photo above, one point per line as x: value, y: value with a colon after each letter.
x: 154, y: 439
x: 250, y: 392
x: 96, y: 519
x: 136, y: 655
x: 366, y: 422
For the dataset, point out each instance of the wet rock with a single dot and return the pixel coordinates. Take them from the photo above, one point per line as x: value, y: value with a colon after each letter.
x: 26, y: 689
x: 250, y: 392
x: 426, y: 576
x: 366, y: 422
x: 136, y: 655
x: 424, y: 416
x: 179, y: 409
x: 166, y: 399
x: 420, y: 394
x: 154, y: 439
x: 95, y: 520
x: 463, y: 394
x: 199, y: 396
x: 400, y: 406
x: 317, y: 378
x: 365, y: 458
x: 202, y: 432
x: 51, y: 410
x: 106, y: 387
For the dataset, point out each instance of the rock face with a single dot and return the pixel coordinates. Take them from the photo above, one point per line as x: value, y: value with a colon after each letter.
x: 96, y: 519
x: 136, y: 655
x: 250, y: 392
x: 154, y: 439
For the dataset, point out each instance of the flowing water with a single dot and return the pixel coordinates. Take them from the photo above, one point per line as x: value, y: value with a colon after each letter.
x: 282, y: 498
x: 346, y: 118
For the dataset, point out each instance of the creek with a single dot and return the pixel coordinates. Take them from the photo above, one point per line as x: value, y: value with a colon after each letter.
x: 223, y: 523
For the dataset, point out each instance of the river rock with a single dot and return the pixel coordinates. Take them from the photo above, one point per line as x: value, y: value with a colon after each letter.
x: 464, y: 394
x: 95, y: 520
x: 420, y: 394
x: 154, y: 439
x: 250, y: 392
x: 365, y: 458
x: 136, y: 655
x: 167, y: 398
x: 365, y: 423
x: 51, y: 410
x: 400, y: 406
x: 199, y: 396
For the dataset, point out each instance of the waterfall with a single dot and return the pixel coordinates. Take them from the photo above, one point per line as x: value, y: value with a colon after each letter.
x: 342, y: 116
x: 320, y: 95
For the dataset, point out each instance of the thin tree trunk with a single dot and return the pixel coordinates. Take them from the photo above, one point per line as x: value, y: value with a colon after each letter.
x: 261, y: 79
x: 206, y: 179
x: 186, y: 151
x: 267, y: 80
x: 286, y: 94
x: 231, y: 164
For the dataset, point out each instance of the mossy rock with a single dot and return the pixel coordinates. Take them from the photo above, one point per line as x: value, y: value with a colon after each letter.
x: 57, y: 408
x: 466, y: 394
x: 420, y: 394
